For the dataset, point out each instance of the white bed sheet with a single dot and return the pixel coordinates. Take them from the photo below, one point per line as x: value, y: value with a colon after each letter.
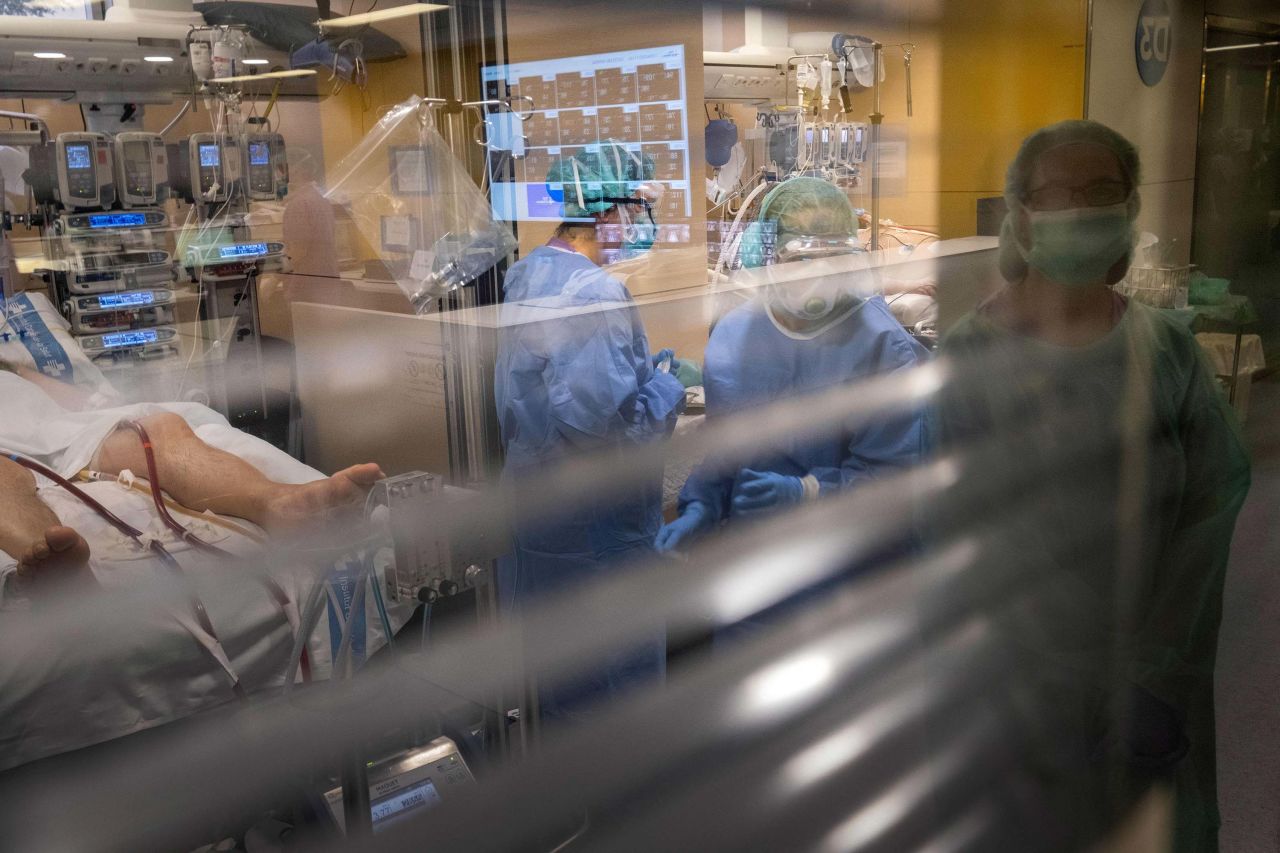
x: 101, y: 687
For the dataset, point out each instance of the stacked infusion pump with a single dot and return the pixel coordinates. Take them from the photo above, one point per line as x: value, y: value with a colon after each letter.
x: 114, y: 276
x: 219, y: 174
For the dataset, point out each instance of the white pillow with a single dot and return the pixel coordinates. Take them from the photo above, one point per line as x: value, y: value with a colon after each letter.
x: 33, y: 334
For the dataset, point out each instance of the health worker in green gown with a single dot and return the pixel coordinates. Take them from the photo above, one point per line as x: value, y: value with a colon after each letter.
x: 1129, y: 524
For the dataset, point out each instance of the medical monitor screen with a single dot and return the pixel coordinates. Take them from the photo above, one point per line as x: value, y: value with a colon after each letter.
x: 209, y: 156
x: 403, y: 803
x: 243, y: 250
x: 129, y: 339
x: 124, y: 300
x: 79, y: 156
x: 117, y: 220
x: 259, y: 154
x: 634, y: 97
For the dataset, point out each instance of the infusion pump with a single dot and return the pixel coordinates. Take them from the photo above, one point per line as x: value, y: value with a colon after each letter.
x: 266, y: 169
x: 142, y: 169
x: 205, y: 167
x: 74, y: 170
x: 409, y: 783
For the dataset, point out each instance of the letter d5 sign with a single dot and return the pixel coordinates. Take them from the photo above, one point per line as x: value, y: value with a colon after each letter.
x: 1153, y: 40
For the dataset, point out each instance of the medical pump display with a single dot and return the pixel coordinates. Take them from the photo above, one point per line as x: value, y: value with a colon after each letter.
x: 115, y: 312
x: 144, y: 344
x: 207, y: 166
x: 73, y: 171
x: 141, y: 169
x: 409, y: 783
x: 266, y: 170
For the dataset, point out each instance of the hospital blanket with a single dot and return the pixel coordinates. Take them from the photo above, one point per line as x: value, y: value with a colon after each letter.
x: 107, y: 683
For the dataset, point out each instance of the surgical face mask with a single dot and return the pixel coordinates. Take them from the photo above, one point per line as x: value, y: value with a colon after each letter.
x: 809, y: 301
x: 1078, y: 246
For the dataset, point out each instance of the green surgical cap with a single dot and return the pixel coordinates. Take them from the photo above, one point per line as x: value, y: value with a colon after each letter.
x: 1017, y: 180
x: 590, y: 176
x: 809, y: 207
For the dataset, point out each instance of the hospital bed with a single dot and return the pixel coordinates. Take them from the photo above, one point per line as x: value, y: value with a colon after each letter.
x: 110, y: 686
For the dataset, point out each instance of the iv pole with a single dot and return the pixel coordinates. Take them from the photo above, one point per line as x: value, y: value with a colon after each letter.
x: 877, y: 118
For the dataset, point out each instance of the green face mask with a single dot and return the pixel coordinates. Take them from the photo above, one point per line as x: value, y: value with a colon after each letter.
x: 1077, y: 247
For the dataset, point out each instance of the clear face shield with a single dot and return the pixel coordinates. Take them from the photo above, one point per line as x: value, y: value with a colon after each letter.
x: 804, y: 248
x: 819, y: 287
x: 636, y: 230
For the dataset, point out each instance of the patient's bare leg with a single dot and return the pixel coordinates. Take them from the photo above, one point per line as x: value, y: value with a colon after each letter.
x: 205, y: 478
x: 50, y: 556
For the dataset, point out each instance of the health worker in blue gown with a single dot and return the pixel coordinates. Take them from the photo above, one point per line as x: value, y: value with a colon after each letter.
x: 798, y: 336
x: 574, y: 374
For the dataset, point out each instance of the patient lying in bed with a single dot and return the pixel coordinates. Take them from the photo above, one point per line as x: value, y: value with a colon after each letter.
x: 67, y: 681
x: 48, y: 421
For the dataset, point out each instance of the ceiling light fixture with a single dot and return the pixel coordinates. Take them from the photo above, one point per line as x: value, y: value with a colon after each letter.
x: 49, y: 54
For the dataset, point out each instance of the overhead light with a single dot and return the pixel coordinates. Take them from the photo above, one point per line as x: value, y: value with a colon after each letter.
x: 379, y: 15
x: 270, y: 75
x: 49, y: 54
x: 254, y: 62
x: 157, y: 59
x: 1241, y: 46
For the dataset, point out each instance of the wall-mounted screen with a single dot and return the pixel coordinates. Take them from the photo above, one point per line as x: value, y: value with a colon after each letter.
x: 635, y: 97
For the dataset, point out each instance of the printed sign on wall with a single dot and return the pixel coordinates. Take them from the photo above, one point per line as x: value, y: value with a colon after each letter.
x: 1152, y: 39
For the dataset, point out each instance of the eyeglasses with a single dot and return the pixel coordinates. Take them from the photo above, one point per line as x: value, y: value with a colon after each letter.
x: 1099, y: 194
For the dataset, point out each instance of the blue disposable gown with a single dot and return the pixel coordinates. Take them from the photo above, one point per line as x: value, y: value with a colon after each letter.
x: 574, y: 373
x: 750, y: 362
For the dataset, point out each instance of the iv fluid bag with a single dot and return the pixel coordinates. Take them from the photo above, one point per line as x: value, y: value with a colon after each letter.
x: 418, y: 208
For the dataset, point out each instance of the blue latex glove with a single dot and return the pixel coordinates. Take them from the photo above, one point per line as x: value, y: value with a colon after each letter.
x: 662, y: 355
x: 688, y: 525
x: 756, y: 491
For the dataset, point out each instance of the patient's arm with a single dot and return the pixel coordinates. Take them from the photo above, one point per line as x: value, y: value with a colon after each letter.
x: 65, y: 394
x: 49, y: 555
x: 205, y: 478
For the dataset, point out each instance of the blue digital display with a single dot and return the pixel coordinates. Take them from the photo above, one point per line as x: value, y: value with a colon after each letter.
x: 117, y: 220
x: 259, y: 154
x: 243, y: 250
x: 129, y: 339
x: 78, y: 156
x: 410, y: 800
x: 121, y: 300
x: 210, y: 157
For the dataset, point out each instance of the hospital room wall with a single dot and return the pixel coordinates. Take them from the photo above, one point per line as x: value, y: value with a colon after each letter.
x: 1007, y: 68
x: 346, y: 117
x: 1161, y: 120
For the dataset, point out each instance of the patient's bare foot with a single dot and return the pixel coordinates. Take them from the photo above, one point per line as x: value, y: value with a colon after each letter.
x: 293, y: 507
x: 56, y: 563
